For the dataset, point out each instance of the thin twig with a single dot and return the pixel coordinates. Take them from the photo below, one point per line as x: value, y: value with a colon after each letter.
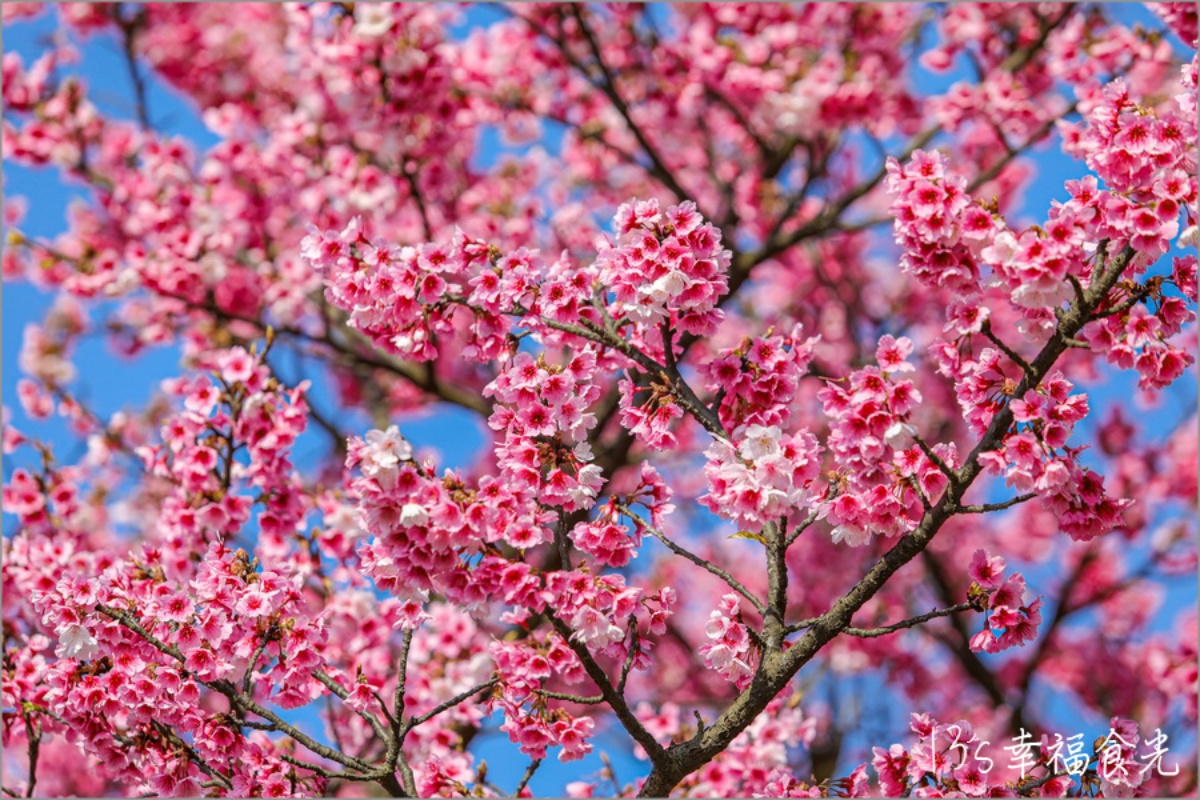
x: 528, y: 776
x: 336, y: 688
x: 451, y: 703
x: 33, y: 733
x: 985, y: 508
x: 607, y: 84
x: 624, y: 714
x: 129, y: 27
x: 1016, y: 357
x: 705, y: 564
x: 937, y: 460
x: 871, y: 633
x: 592, y: 700
x: 802, y: 527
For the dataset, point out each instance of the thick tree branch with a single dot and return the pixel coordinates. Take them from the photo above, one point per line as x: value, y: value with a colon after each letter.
x: 777, y: 585
x: 1013, y: 355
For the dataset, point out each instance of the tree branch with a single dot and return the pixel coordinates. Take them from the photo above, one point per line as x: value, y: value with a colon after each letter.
x: 528, y: 776
x: 365, y: 353
x: 615, y: 700
x: 129, y: 27
x: 704, y: 564
x: 778, y: 668
x: 339, y: 690
x: 451, y: 703
x: 871, y: 633
x: 679, y: 388
x: 591, y: 700
x: 986, y: 508
x: 1016, y: 357
x: 239, y: 700
x: 191, y: 753
x: 777, y: 586
x: 33, y: 735
x: 607, y: 84
x: 802, y: 527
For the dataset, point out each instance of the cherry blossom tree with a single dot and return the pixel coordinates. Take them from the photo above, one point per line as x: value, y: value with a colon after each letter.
x: 813, y: 455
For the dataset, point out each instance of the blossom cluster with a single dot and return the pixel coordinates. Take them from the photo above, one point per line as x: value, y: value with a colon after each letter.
x: 240, y: 408
x: 758, y: 380
x: 526, y: 667
x: 1035, y: 457
x: 542, y: 414
x: 421, y: 524
x: 521, y: 283
x: 729, y: 650
x: 761, y: 475
x: 649, y: 412
x: 394, y: 295
x: 933, y: 224
x: 603, y: 614
x: 138, y: 670
x: 1141, y: 339
x: 666, y: 266
x: 606, y: 538
x: 884, y: 477
x: 1010, y: 621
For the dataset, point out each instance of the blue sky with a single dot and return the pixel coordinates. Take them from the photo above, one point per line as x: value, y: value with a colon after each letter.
x: 110, y: 382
